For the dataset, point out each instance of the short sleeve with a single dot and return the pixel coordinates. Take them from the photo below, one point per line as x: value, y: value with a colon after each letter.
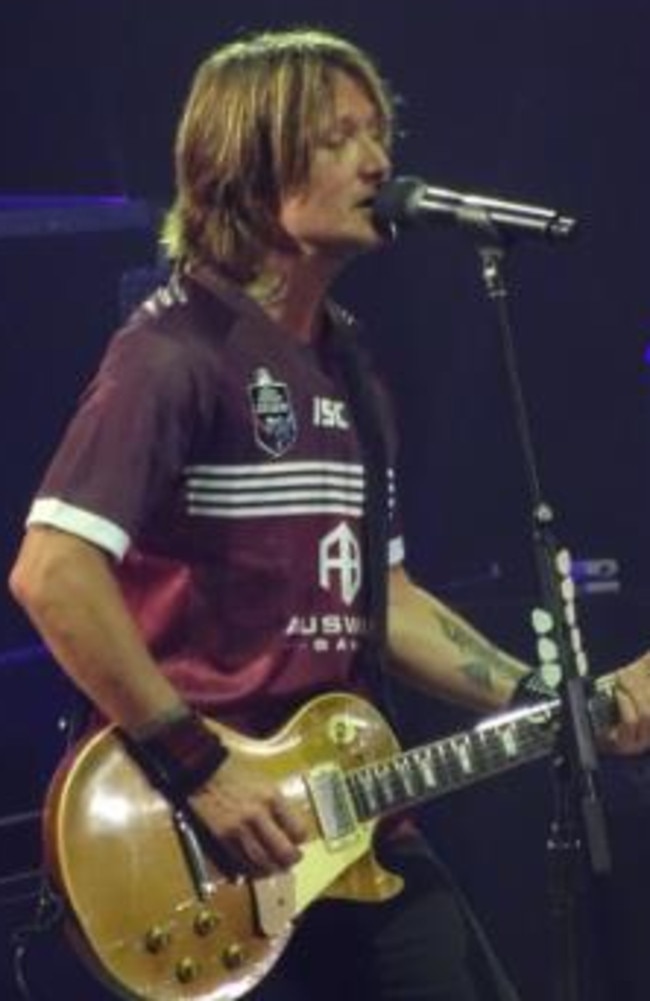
x: 126, y: 445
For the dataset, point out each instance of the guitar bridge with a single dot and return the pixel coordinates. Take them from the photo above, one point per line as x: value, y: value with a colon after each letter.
x: 333, y: 805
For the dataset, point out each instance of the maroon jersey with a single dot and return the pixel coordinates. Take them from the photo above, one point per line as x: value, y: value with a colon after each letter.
x: 213, y: 456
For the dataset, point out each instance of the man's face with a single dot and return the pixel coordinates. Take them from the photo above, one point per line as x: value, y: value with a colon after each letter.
x: 332, y: 215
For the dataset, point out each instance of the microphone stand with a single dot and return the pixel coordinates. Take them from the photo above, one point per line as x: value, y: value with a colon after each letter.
x: 577, y: 807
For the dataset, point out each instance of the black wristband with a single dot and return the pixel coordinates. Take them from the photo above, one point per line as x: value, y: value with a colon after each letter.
x: 532, y: 688
x: 179, y: 757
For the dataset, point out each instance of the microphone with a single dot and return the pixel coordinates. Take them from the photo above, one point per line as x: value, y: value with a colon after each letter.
x: 406, y: 201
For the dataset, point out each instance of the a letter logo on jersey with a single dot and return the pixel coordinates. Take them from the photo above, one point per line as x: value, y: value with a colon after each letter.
x: 274, y: 420
x: 330, y: 414
x: 339, y: 563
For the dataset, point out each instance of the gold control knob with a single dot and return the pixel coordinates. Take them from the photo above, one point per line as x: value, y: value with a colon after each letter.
x: 187, y: 970
x: 205, y: 922
x: 156, y: 939
x: 233, y: 956
x: 341, y: 730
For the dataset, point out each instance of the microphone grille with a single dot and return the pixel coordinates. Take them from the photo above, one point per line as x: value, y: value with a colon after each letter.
x: 396, y: 202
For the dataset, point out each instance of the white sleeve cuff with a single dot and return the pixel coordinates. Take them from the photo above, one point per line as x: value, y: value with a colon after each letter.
x: 396, y: 551
x: 77, y: 521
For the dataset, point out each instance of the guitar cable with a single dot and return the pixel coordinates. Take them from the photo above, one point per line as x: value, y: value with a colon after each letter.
x: 49, y: 909
x: 48, y: 913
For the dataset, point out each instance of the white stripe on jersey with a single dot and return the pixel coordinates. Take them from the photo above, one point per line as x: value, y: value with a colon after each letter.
x: 214, y: 511
x: 283, y: 488
x: 249, y: 482
x: 251, y: 497
x: 272, y: 469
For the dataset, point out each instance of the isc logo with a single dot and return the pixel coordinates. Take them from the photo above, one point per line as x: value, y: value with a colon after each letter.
x: 330, y: 413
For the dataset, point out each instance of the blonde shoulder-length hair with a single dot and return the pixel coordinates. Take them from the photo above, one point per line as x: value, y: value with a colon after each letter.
x: 245, y: 139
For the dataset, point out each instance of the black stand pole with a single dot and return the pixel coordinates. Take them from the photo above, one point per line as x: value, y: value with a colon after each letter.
x: 578, y: 810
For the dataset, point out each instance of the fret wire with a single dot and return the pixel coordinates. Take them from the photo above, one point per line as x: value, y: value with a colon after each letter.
x: 485, y: 750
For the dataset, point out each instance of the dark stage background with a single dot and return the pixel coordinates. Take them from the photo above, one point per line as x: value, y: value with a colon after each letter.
x: 539, y: 100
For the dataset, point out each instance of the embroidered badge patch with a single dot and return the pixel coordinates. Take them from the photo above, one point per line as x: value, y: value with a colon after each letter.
x: 274, y: 420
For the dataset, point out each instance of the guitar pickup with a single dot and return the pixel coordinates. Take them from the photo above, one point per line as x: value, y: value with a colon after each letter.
x: 333, y: 804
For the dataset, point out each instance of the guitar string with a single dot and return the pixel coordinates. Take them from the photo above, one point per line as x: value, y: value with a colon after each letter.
x: 487, y: 752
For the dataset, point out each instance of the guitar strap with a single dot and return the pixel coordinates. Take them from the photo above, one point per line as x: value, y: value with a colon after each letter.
x: 364, y: 405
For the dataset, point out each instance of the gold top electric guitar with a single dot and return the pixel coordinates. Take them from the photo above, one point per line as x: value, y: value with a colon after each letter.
x: 151, y: 909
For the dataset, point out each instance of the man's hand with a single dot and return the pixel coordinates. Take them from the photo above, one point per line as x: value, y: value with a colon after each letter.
x: 250, y: 818
x: 631, y: 735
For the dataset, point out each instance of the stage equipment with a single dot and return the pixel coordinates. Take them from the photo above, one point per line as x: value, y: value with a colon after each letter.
x: 493, y: 226
x: 405, y: 201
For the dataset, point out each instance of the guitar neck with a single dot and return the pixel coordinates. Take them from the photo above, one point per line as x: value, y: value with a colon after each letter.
x: 494, y: 746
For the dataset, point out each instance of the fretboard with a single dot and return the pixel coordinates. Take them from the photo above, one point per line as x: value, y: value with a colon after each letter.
x: 494, y: 746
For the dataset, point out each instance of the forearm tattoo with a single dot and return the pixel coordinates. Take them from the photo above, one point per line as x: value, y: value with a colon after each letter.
x: 484, y: 663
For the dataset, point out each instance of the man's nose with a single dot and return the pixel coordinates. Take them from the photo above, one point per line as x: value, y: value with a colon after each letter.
x: 377, y: 160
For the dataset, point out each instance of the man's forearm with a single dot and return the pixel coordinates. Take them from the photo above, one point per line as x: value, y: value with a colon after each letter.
x: 67, y: 588
x: 69, y: 591
x: 433, y: 648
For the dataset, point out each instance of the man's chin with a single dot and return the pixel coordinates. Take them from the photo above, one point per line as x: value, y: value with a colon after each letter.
x: 354, y: 244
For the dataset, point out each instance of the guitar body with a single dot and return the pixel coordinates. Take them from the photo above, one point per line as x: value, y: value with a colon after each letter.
x: 140, y: 915
x: 156, y: 914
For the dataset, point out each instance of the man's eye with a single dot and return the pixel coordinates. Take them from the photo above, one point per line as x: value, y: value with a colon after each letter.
x: 333, y: 140
x: 339, y: 138
x: 380, y: 137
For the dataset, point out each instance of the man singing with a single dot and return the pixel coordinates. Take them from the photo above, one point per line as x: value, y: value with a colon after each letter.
x: 200, y: 548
